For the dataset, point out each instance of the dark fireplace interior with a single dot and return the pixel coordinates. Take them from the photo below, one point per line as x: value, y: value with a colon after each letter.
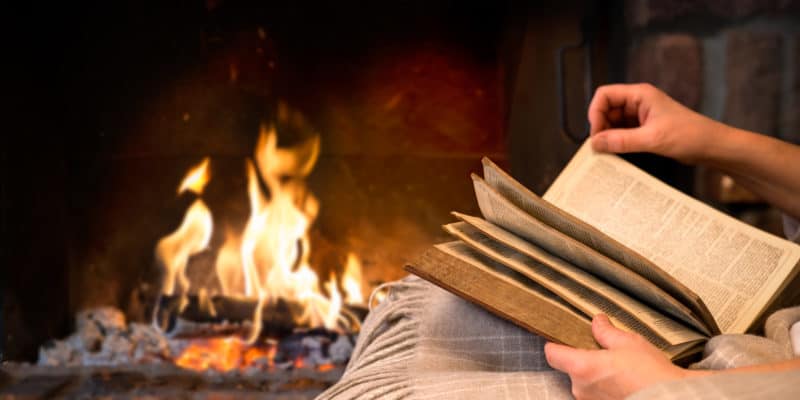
x: 113, y: 103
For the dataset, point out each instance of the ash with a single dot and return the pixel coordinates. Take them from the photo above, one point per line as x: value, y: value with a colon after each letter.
x: 103, y: 337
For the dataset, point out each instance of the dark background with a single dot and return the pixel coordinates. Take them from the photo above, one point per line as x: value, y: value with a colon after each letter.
x: 85, y: 80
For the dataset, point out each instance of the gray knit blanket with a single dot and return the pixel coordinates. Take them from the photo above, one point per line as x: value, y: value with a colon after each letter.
x: 421, y: 342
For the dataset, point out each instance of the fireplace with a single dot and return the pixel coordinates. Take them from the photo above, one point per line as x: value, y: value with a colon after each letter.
x: 146, y: 151
x: 179, y: 135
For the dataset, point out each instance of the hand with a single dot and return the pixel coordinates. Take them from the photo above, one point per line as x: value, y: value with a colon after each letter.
x: 627, y: 363
x: 641, y: 118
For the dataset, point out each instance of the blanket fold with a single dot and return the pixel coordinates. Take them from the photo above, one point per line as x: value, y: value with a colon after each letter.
x: 422, y: 342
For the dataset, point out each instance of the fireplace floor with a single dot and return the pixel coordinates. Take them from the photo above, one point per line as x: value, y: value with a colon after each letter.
x: 24, y: 381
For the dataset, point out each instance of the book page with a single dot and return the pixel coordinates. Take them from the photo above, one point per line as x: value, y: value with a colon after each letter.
x: 501, y: 212
x: 736, y: 269
x: 576, y: 286
x: 585, y: 301
x: 573, y: 227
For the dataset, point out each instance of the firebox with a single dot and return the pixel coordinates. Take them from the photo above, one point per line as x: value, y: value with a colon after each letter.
x: 201, y: 197
x: 218, y: 187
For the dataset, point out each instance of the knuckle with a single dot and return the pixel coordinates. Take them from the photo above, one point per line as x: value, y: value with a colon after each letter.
x: 647, y: 87
x: 623, y: 144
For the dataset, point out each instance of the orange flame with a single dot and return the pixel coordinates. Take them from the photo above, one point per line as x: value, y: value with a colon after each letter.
x: 197, y: 178
x: 351, y: 280
x: 274, y: 249
x: 175, y: 249
x: 270, y: 259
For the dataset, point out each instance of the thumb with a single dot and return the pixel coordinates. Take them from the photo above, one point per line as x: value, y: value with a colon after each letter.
x: 564, y: 358
x: 631, y: 140
x: 607, y: 335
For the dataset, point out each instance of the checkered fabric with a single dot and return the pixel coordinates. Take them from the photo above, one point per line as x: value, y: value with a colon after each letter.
x: 424, y: 343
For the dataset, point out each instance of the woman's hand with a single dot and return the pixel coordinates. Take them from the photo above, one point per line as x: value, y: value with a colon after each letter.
x: 640, y: 118
x: 627, y: 363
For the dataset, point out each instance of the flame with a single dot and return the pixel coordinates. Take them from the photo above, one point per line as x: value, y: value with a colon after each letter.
x: 275, y: 246
x: 351, y: 280
x: 269, y: 259
x: 197, y: 178
x: 229, y: 266
x: 175, y: 249
x: 335, y: 305
x: 232, y: 353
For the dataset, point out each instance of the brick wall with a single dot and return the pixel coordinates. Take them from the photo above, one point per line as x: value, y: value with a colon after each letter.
x: 735, y: 61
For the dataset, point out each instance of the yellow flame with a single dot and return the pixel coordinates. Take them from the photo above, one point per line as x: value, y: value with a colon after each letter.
x: 174, y: 250
x: 274, y: 162
x: 270, y: 259
x: 335, y: 306
x: 229, y: 266
x: 351, y: 280
x: 197, y: 178
x: 254, y: 230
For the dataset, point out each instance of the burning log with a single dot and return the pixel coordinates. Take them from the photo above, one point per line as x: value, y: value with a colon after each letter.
x: 193, y: 315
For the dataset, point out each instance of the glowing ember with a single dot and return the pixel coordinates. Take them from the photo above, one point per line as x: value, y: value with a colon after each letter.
x: 224, y: 354
x: 325, y: 367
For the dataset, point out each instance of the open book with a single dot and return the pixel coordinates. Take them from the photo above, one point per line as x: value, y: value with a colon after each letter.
x: 609, y: 238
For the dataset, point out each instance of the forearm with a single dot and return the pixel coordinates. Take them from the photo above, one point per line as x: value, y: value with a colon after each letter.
x: 766, y: 166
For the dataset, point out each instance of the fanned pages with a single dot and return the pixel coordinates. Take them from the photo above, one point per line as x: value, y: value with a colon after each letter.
x: 548, y: 214
x: 735, y: 268
x: 501, y: 212
x: 608, y: 238
x: 575, y: 287
x: 456, y: 268
x: 477, y: 232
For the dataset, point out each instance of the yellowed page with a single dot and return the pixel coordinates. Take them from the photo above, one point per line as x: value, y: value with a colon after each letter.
x: 566, y: 223
x: 463, y: 252
x: 567, y: 290
x: 544, y: 268
x: 736, y: 269
x: 501, y: 212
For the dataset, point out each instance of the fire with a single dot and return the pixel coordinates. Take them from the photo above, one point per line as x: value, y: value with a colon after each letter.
x: 175, y: 249
x: 224, y: 354
x: 197, y: 178
x: 351, y: 281
x: 269, y: 259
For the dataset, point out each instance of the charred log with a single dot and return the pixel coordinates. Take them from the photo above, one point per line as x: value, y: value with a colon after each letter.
x: 187, y: 315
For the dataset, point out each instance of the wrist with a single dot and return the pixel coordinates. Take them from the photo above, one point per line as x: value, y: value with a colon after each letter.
x: 719, y: 143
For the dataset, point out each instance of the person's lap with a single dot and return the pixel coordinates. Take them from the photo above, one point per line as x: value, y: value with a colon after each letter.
x: 423, y: 342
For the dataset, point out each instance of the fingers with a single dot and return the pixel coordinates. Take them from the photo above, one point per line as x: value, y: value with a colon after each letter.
x: 612, y: 103
x: 607, y: 335
x: 623, y: 140
x: 565, y: 358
